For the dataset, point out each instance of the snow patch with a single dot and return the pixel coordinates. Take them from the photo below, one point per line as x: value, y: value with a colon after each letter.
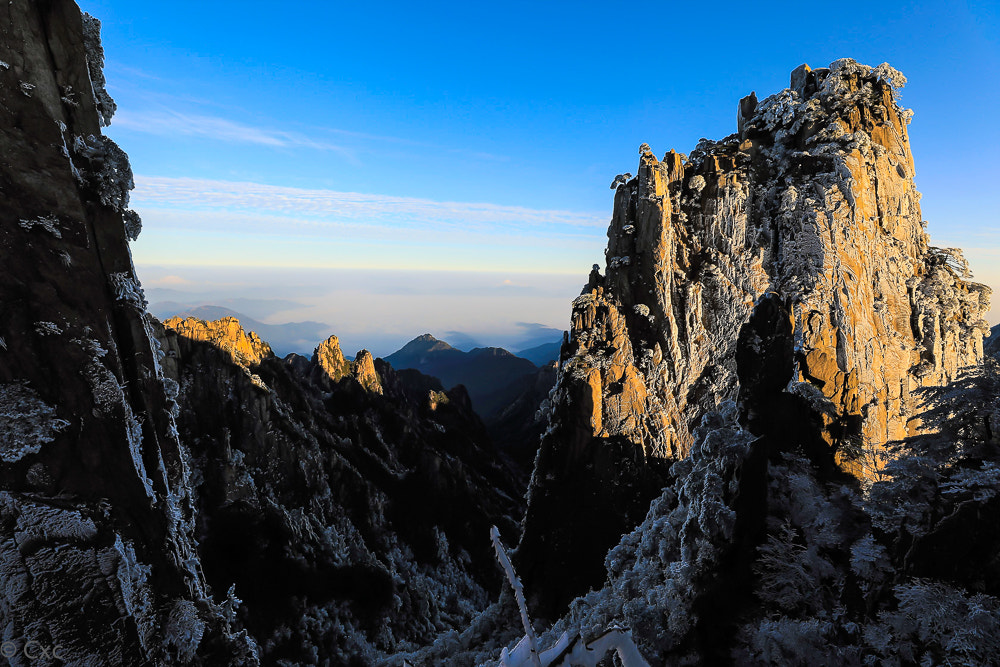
x: 47, y: 223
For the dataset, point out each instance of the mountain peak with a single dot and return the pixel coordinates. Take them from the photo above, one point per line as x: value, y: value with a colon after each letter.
x: 330, y: 358
x: 428, y: 342
x: 784, y: 267
x: 227, y: 334
x: 363, y: 370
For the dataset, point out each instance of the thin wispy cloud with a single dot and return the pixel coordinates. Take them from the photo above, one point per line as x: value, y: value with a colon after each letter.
x: 170, y: 123
x: 305, y: 207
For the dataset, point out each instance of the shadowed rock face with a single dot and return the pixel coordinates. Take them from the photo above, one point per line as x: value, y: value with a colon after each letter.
x: 143, y: 492
x: 346, y: 508
x: 812, y: 202
x: 96, y: 548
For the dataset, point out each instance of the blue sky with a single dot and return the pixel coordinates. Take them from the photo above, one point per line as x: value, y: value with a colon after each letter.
x: 482, y: 137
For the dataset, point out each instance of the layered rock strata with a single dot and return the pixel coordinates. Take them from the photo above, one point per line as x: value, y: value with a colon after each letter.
x: 791, y: 254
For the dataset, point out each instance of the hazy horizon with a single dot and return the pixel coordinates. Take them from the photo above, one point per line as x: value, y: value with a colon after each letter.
x: 380, y: 310
x: 478, y: 140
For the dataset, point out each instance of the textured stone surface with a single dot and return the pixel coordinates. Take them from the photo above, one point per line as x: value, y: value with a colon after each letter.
x: 182, y: 496
x: 363, y: 370
x: 347, y: 513
x: 812, y: 201
x: 244, y: 348
x: 330, y: 358
x: 95, y: 520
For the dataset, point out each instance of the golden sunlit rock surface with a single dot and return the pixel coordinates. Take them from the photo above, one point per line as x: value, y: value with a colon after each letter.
x: 363, y: 370
x: 244, y: 348
x: 331, y: 359
x: 809, y: 209
x: 335, y: 366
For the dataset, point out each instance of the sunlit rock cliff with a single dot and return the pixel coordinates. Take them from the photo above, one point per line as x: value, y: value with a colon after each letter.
x: 785, y: 267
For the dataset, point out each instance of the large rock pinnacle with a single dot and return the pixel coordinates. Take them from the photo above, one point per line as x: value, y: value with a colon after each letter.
x: 812, y: 204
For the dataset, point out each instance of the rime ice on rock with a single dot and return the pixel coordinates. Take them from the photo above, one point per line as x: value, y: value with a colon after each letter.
x: 26, y: 422
x: 95, y: 64
x: 812, y: 201
x: 76, y: 344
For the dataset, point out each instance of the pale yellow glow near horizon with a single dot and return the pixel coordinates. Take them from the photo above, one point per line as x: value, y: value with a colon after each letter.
x: 164, y: 248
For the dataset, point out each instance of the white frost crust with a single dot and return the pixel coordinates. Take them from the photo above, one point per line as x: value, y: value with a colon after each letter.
x: 26, y: 422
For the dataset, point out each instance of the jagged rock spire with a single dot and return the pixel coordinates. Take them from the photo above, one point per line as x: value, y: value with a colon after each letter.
x: 812, y: 202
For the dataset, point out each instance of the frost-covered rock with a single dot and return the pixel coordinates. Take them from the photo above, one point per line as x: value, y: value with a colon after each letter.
x: 811, y: 204
x: 95, y: 66
x: 89, y: 451
x: 26, y: 422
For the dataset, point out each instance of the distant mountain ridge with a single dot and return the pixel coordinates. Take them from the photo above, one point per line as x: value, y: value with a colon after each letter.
x: 486, y: 372
x: 506, y: 389
x: 540, y: 355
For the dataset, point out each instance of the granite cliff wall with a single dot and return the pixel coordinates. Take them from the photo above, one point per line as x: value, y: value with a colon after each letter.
x: 96, y: 549
x: 179, y: 495
x: 785, y: 266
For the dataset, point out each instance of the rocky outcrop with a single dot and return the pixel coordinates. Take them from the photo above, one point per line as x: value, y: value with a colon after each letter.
x: 180, y: 496
x: 97, y: 554
x: 788, y: 259
x: 347, y: 512
x: 330, y: 365
x: 244, y: 348
x: 331, y: 360
x: 363, y: 370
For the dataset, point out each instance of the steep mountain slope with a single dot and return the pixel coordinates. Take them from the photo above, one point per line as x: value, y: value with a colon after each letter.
x: 541, y: 355
x: 427, y: 352
x: 516, y: 428
x: 506, y: 390
x: 789, y: 529
x: 156, y: 505
x: 784, y: 267
x: 96, y: 522
x: 770, y: 316
x: 344, y: 502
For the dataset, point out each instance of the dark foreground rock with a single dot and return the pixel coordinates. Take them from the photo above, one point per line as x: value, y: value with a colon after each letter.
x: 96, y: 520
x: 207, y: 504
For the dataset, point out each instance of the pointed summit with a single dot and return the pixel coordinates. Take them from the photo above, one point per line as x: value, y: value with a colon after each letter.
x: 363, y: 370
x: 421, y: 351
x: 329, y: 357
